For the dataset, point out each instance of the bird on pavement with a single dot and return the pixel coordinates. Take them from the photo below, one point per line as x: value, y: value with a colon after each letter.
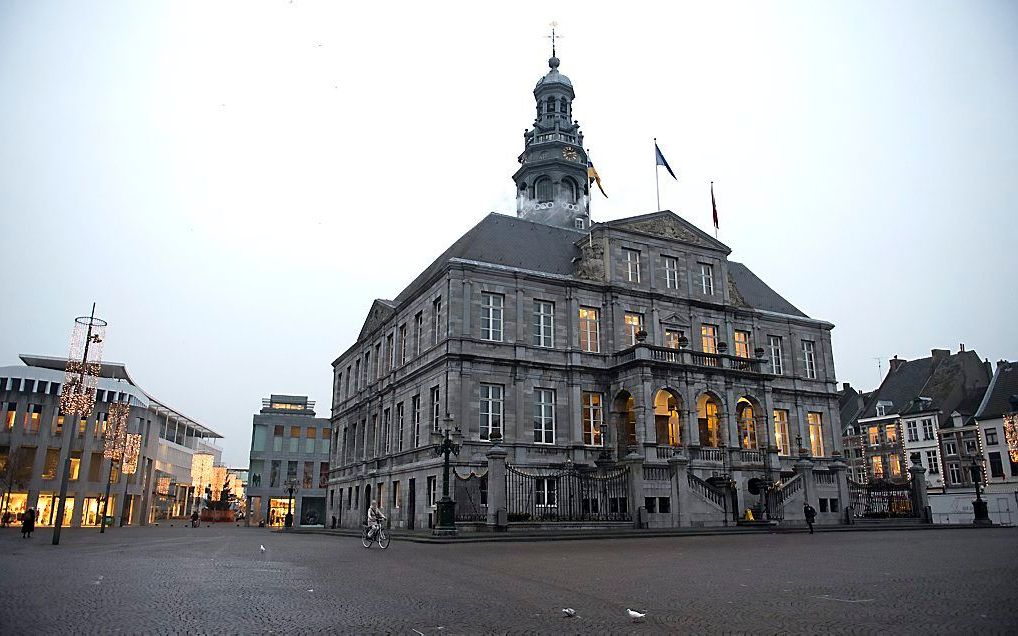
x: 636, y: 616
x: 262, y: 548
x: 569, y: 612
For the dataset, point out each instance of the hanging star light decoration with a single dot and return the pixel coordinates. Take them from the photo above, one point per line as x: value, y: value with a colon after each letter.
x: 132, y: 452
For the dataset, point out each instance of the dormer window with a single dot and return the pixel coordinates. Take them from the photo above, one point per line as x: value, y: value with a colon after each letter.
x: 578, y: 222
x: 881, y: 410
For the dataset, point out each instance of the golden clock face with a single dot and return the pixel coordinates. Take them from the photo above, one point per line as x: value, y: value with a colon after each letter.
x: 570, y: 154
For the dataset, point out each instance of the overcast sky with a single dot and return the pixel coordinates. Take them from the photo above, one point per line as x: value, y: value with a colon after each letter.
x: 233, y: 183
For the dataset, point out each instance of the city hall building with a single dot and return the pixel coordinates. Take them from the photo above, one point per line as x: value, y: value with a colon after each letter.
x: 36, y: 439
x: 617, y: 372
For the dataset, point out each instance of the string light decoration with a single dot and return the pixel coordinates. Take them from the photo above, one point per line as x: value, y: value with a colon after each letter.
x: 1011, y: 435
x: 218, y: 480
x: 132, y: 451
x: 116, y: 431
x: 163, y: 486
x: 84, y: 361
x: 201, y: 469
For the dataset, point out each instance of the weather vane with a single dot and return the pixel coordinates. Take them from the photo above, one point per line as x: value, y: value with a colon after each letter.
x: 553, y: 37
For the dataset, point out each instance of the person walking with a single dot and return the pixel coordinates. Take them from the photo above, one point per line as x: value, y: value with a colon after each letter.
x: 27, y: 523
x: 810, y: 513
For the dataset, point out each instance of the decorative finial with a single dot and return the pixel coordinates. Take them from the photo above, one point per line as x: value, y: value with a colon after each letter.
x: 553, y: 62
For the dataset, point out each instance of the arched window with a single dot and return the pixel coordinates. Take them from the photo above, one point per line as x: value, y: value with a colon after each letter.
x: 542, y: 190
x: 571, y: 190
x: 563, y: 106
x: 708, y: 412
x: 551, y: 105
x: 667, y: 419
x: 747, y: 424
x: 540, y: 108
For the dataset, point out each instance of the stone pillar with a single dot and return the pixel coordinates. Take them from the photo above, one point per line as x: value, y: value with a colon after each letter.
x: 920, y: 498
x: 496, y: 483
x: 839, y: 469
x: 635, y: 464
x: 804, y: 467
x: 678, y: 465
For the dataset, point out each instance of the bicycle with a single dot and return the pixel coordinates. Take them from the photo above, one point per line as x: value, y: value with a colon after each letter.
x: 381, y: 536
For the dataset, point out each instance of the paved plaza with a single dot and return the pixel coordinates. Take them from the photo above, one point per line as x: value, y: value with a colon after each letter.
x: 216, y: 580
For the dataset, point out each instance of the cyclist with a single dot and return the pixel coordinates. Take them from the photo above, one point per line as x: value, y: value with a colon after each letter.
x: 375, y: 519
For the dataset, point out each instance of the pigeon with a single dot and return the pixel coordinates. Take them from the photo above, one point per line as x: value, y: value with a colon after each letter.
x: 262, y: 548
x: 636, y: 616
x: 569, y: 612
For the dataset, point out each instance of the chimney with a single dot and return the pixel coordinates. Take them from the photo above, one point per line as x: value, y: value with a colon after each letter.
x: 939, y: 354
x: 1001, y: 363
x: 894, y: 363
x: 961, y: 348
x: 846, y: 386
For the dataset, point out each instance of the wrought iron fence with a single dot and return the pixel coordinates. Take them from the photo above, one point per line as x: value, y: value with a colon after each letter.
x: 569, y: 494
x: 882, y: 499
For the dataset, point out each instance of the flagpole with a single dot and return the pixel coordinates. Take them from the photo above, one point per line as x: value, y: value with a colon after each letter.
x: 657, y: 184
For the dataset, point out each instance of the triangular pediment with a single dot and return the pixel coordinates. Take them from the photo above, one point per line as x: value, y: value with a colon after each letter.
x: 675, y: 320
x: 380, y: 312
x: 668, y: 225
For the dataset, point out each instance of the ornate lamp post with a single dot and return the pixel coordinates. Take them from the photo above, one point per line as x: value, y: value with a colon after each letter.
x: 982, y: 516
x: 446, y: 443
x: 290, y: 486
x: 77, y: 395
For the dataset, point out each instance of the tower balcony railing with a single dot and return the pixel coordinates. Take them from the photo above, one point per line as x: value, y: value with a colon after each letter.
x: 684, y: 357
x: 550, y: 137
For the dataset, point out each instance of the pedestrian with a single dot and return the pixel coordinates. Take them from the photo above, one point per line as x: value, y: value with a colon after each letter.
x: 27, y: 523
x: 810, y: 513
x: 194, y: 520
x: 7, y: 518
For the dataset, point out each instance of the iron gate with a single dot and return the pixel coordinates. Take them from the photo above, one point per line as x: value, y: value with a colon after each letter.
x: 569, y: 494
x: 471, y: 496
x: 883, y: 499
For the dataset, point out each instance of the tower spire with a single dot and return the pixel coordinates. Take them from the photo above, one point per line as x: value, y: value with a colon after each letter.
x: 553, y: 37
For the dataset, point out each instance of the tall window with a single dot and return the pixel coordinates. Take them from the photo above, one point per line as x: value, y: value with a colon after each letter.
x: 436, y: 407
x: 671, y: 272
x: 874, y: 433
x: 436, y: 320
x: 432, y: 489
x: 542, y: 189
x: 32, y: 416
x: 932, y: 463
x: 491, y: 316
x: 545, y: 492
x: 672, y: 338
x: 400, y: 431
x: 378, y: 360
x: 402, y: 343
x: 415, y: 410
x: 590, y: 337
x: 418, y: 333
x: 775, y: 346
x: 912, y: 430
x: 707, y: 278
x: 747, y: 424
x: 878, y: 466
x: 928, y: 431
x: 891, y: 433
x: 367, y: 368
x: 386, y: 431
x: 781, y: 439
x: 955, y: 471
x: 809, y: 358
x: 593, y: 418
x: 634, y: 323
x: 309, y: 439
x: 816, y: 433
x: 544, y: 323
x: 742, y: 343
x: 709, y: 338
x: 895, y: 463
x: 544, y: 416
x: 492, y: 397
x: 390, y: 347
x: 631, y: 258
x: 294, y: 439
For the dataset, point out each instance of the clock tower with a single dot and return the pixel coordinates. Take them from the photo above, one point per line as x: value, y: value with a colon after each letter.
x: 551, y: 184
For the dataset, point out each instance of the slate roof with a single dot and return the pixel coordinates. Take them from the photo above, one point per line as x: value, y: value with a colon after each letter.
x: 851, y: 404
x: 996, y: 402
x: 513, y: 242
x: 946, y: 379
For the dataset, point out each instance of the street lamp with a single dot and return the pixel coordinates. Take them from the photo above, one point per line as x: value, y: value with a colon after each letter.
x: 446, y: 443
x: 981, y: 514
x: 290, y: 486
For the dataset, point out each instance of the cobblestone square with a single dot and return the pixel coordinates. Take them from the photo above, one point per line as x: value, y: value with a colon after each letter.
x: 217, y: 580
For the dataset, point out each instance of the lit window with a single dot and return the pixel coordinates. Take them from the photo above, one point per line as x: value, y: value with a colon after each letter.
x: 634, y: 323
x: 492, y: 397
x: 75, y: 467
x: 809, y: 357
x: 709, y: 338
x: 895, y: 463
x: 672, y: 338
x: 590, y: 339
x: 491, y: 316
x: 874, y: 435
x: 781, y: 438
x: 671, y: 272
x: 593, y: 418
x: 544, y: 416
x: 707, y: 279
x: 742, y: 343
x: 544, y: 323
x: 747, y: 424
x: 878, y: 466
x: 631, y: 258
x: 775, y: 344
x: 891, y: 432
x: 816, y: 433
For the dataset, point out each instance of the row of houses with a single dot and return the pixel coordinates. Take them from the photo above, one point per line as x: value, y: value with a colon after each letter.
x: 950, y: 413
